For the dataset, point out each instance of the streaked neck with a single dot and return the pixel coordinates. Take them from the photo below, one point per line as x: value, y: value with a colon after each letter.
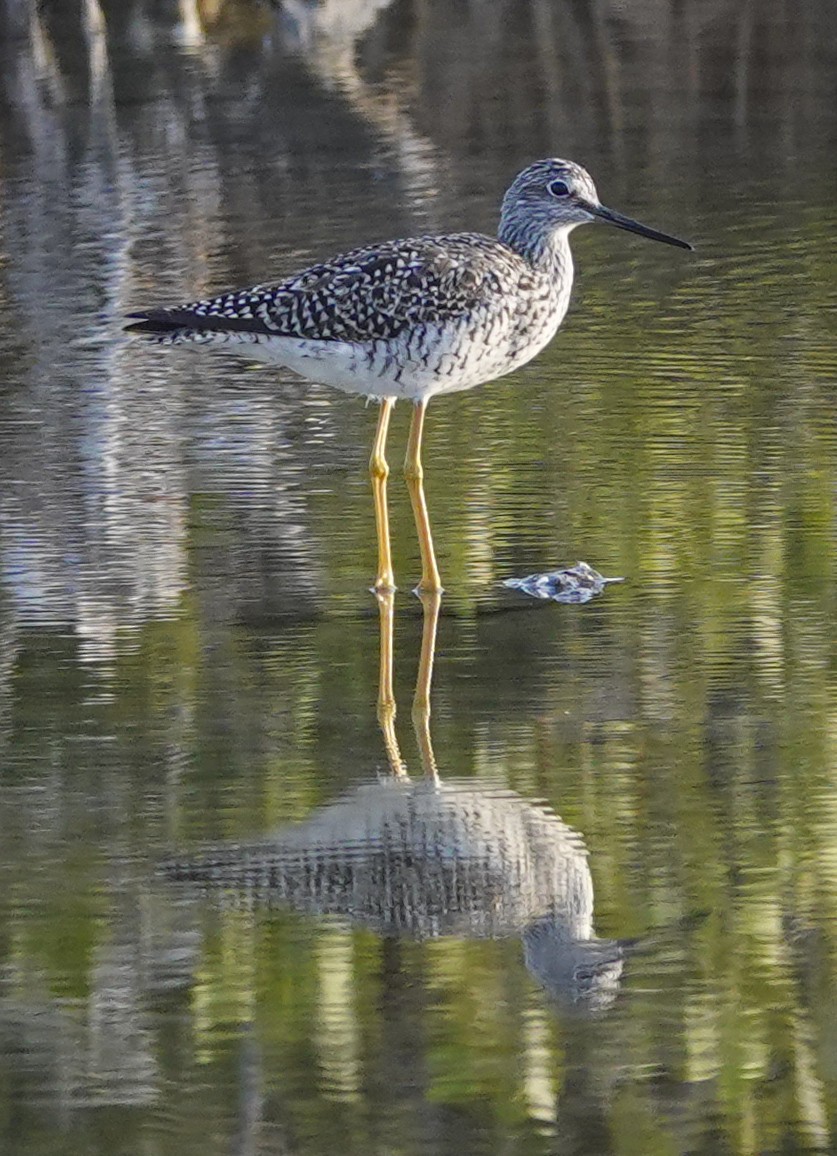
x: 546, y: 249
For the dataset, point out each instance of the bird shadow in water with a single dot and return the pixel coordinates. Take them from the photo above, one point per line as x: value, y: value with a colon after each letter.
x: 424, y: 858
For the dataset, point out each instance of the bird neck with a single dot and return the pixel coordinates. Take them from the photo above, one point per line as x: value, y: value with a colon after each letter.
x: 546, y: 249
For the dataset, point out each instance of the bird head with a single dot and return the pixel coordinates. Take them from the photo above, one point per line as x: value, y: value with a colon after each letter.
x: 556, y: 195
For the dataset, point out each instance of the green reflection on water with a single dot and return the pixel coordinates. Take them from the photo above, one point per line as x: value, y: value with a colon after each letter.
x: 684, y: 724
x: 692, y: 750
x: 679, y: 431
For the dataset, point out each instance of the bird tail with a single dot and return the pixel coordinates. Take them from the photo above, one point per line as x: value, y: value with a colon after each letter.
x: 195, y: 323
x: 156, y: 321
x: 163, y: 326
x: 174, y: 326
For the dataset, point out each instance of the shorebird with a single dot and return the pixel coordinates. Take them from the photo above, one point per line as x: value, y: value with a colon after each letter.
x: 410, y: 319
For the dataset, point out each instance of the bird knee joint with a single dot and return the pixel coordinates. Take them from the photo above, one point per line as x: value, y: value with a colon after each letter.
x: 378, y: 469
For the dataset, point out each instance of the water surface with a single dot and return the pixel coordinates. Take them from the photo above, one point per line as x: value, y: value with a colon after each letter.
x: 190, y: 652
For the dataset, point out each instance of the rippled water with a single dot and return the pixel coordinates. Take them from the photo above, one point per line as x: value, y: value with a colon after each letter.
x: 599, y: 917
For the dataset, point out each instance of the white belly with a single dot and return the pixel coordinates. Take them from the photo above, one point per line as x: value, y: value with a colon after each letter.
x: 411, y: 366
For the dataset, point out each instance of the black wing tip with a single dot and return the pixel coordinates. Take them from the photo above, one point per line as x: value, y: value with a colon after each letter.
x: 143, y: 323
x: 152, y: 321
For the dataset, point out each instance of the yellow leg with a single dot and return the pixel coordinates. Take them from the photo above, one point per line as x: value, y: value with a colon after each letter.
x: 430, y: 601
x: 379, y: 472
x: 386, y: 696
x: 430, y: 580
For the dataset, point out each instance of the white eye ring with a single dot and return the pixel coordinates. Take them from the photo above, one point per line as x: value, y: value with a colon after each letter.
x: 558, y: 188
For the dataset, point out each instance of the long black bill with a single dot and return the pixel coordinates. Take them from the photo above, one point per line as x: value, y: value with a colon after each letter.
x: 633, y: 226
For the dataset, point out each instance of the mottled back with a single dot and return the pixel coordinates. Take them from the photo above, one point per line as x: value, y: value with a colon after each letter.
x: 367, y: 294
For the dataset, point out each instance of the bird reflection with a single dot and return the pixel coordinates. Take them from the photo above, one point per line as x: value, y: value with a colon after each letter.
x: 425, y: 858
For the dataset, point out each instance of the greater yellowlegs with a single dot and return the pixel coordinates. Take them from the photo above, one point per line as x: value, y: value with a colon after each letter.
x: 414, y: 318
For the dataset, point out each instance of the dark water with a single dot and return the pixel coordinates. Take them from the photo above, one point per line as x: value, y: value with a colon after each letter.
x: 190, y: 655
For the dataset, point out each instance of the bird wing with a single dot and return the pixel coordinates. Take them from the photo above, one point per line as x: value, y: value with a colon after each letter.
x: 365, y: 295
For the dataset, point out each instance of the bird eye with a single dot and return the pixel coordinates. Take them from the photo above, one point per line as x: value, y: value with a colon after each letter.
x: 558, y: 188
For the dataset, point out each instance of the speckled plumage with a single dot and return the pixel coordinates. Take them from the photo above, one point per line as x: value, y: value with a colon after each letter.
x: 405, y: 318
x: 420, y: 316
x: 369, y: 294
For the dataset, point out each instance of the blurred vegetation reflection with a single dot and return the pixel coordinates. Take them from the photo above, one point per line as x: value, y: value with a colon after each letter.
x: 189, y: 652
